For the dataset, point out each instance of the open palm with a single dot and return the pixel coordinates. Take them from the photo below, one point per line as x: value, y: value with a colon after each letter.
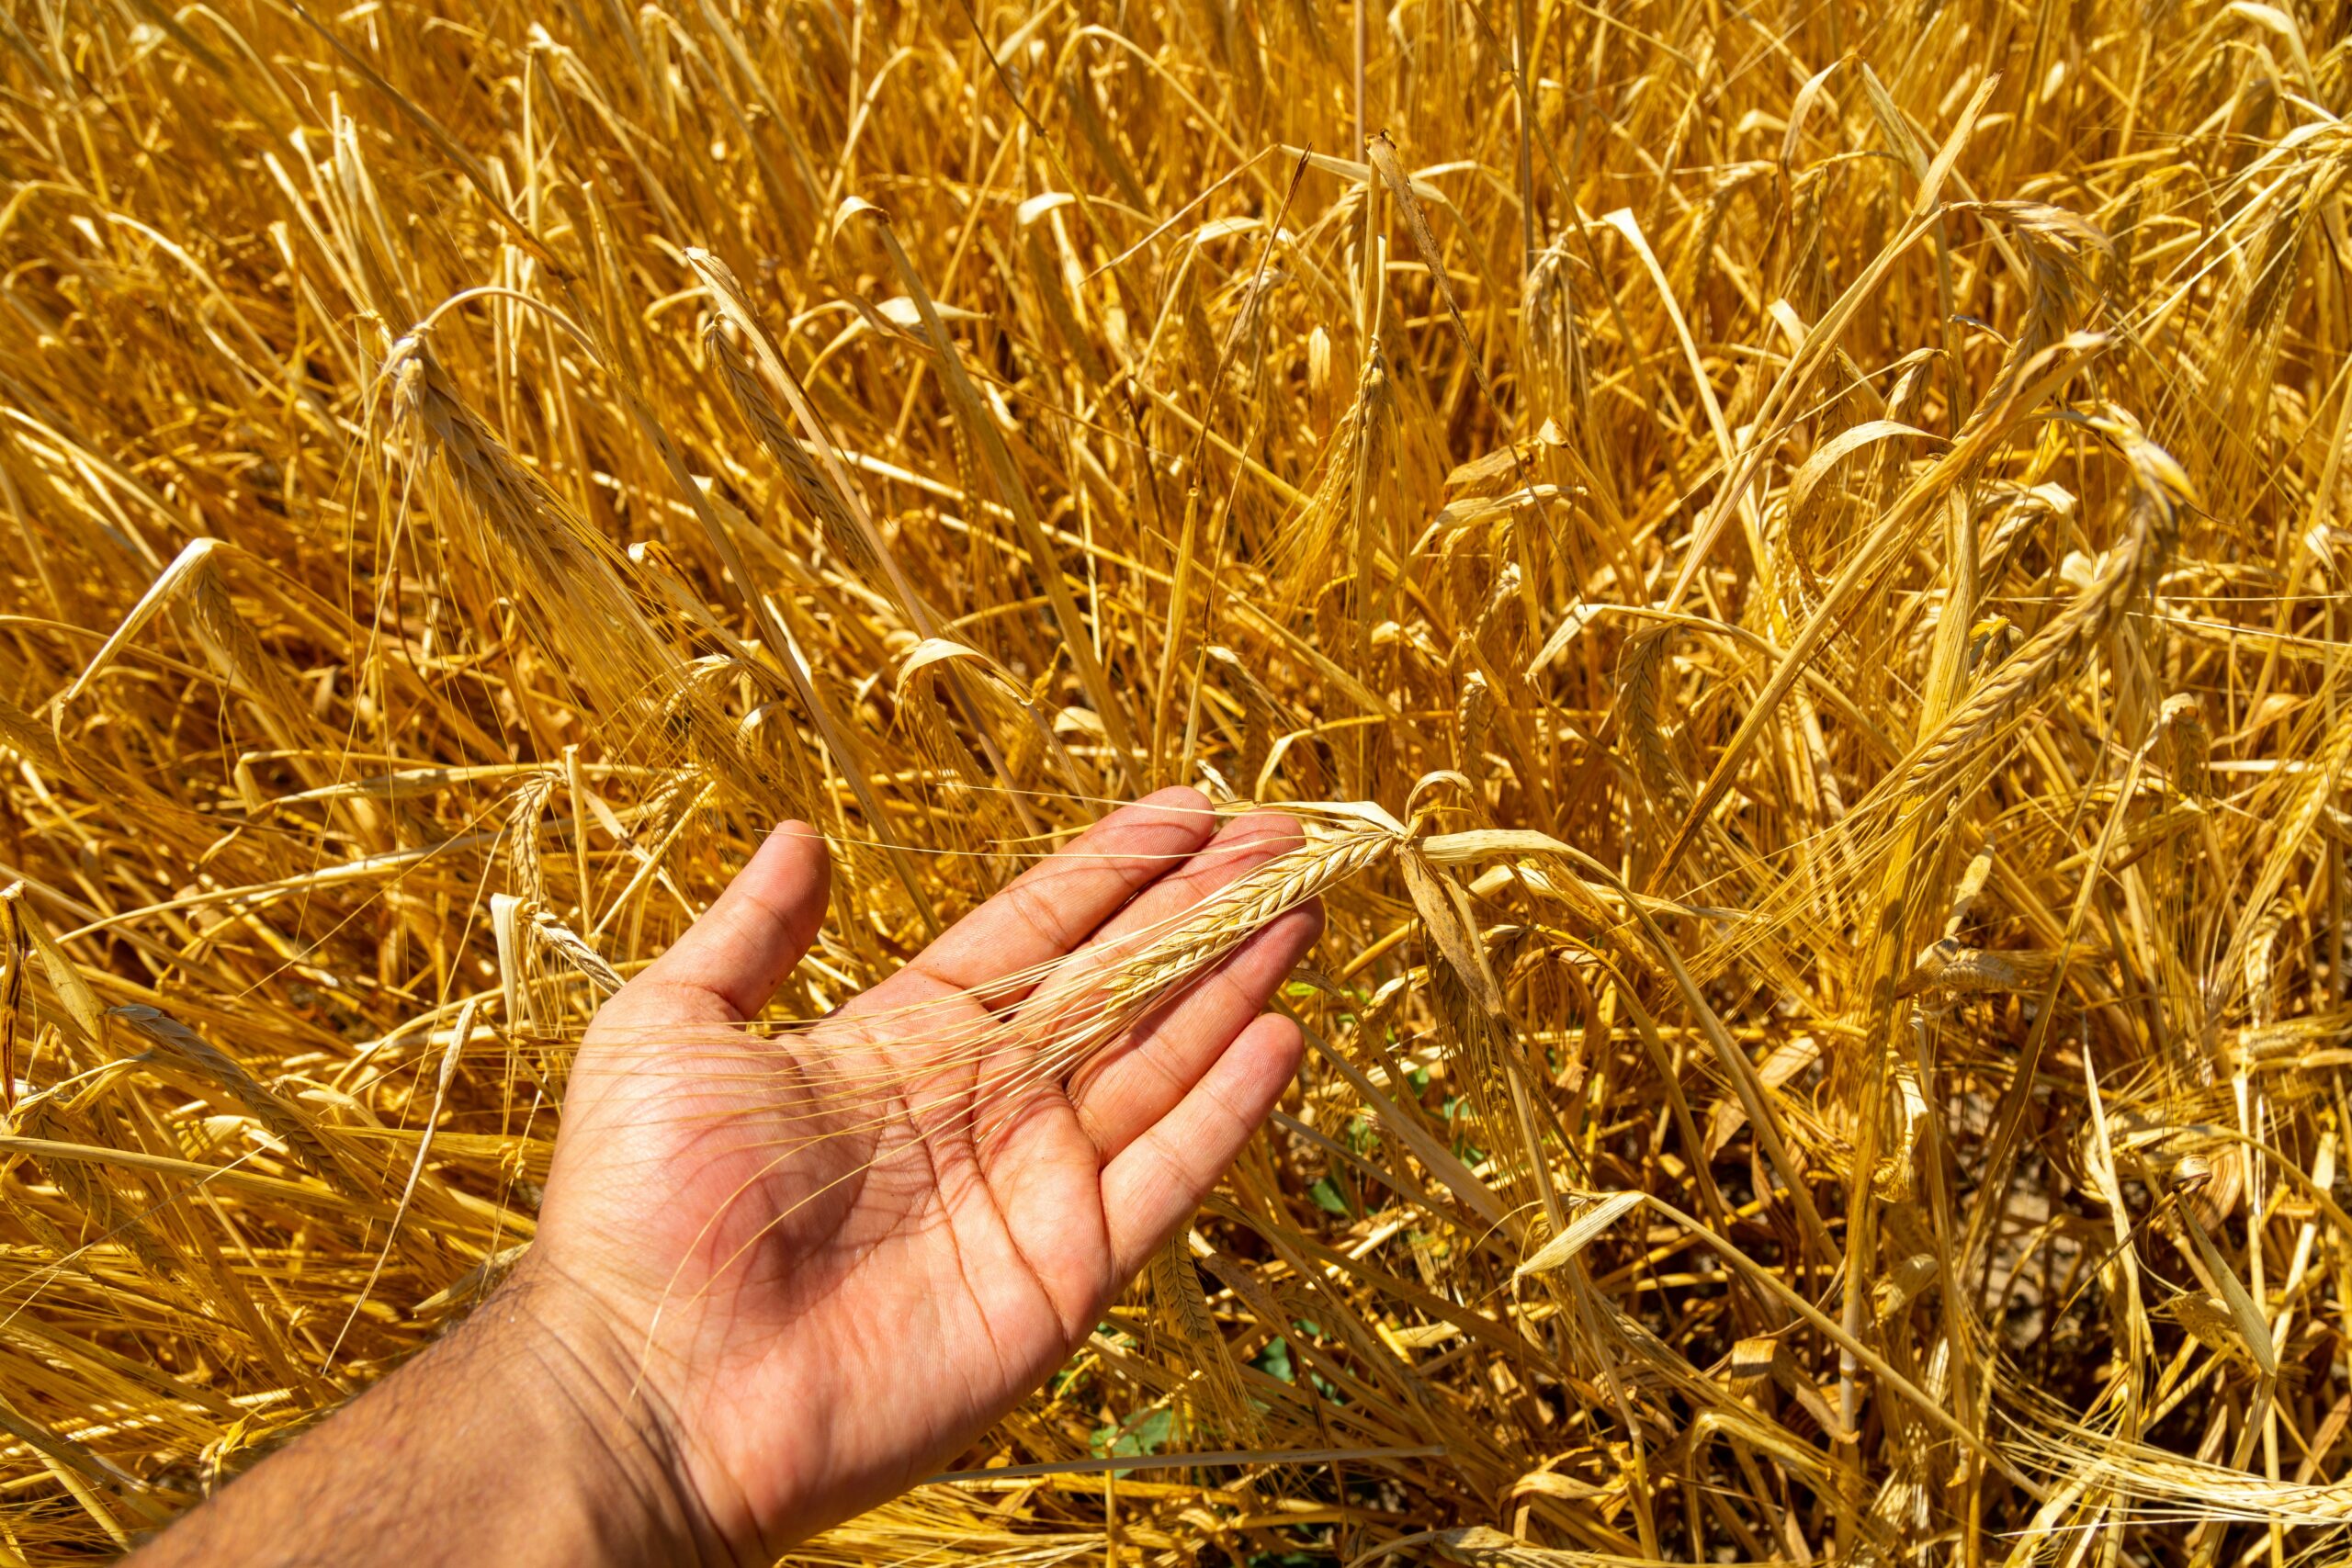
x: 831, y: 1259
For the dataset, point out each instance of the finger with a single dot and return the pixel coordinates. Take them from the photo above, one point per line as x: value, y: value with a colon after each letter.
x: 732, y: 960
x: 1055, y: 904
x: 1142, y: 1080
x: 1160, y: 1179
x: 1043, y: 1175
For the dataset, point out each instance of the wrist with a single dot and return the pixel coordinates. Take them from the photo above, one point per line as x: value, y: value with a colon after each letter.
x: 586, y: 1374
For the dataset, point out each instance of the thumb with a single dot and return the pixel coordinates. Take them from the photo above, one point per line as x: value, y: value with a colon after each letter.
x: 732, y: 960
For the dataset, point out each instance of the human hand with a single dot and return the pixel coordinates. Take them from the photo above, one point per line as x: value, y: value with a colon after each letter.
x: 808, y: 1269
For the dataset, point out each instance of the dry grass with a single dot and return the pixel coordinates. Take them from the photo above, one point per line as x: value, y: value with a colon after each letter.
x: 1818, y: 532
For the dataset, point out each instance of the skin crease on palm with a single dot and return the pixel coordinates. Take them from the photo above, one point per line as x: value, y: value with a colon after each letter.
x: 761, y: 1307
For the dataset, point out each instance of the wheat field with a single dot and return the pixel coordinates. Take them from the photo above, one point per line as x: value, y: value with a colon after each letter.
x: 1786, y: 557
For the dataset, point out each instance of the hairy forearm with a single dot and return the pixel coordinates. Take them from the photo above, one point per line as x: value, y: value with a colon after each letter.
x: 510, y: 1442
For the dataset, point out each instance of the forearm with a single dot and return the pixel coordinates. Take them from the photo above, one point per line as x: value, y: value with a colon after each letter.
x: 509, y: 1442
